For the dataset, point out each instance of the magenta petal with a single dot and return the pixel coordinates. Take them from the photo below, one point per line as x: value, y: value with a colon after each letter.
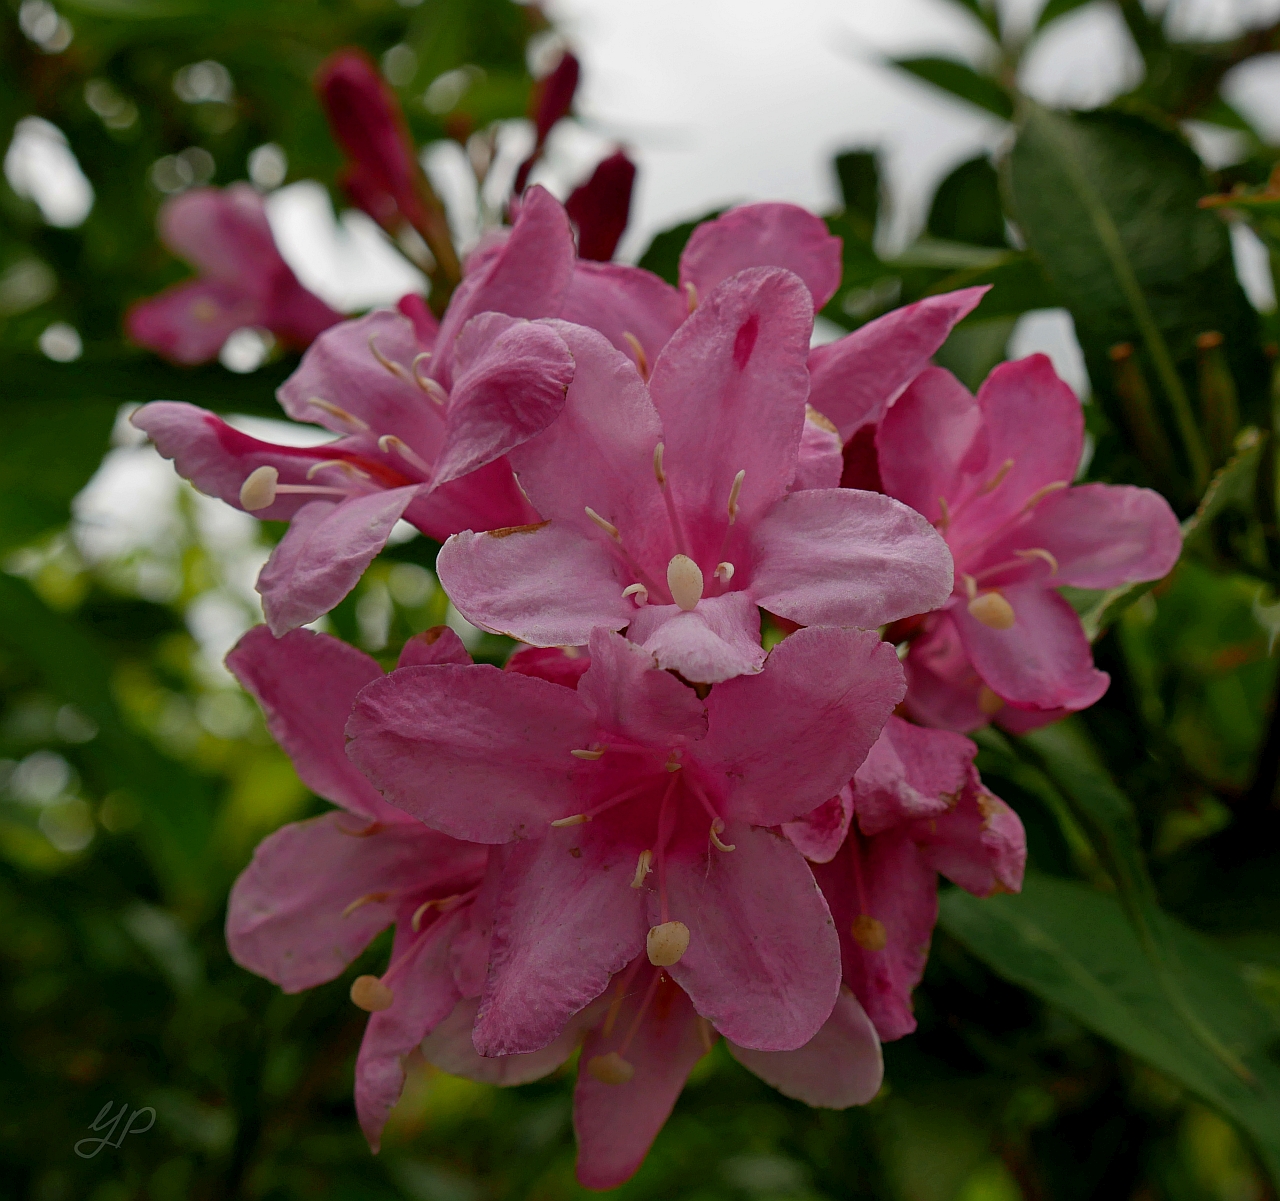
x: 980, y: 844
x: 763, y: 964
x: 189, y: 322
x: 628, y: 695
x: 559, y: 664
x: 910, y: 773
x: 1101, y: 535
x: 449, y: 1047
x: 432, y: 647
x: 837, y: 556
x: 565, y: 924
x: 716, y: 641
x: 424, y: 996
x: 819, y: 834
x: 730, y: 388
x: 855, y: 377
x: 617, y: 300
x: 617, y: 1123
x: 821, y: 461
x: 324, y: 553
x: 793, y: 736
x: 764, y: 235
x: 943, y: 687
x: 223, y: 232
x: 306, y: 684
x: 285, y: 914
x: 839, y: 1067
x: 509, y: 383
x: 487, y: 499
x: 1043, y: 660
x: 544, y: 584
x: 478, y: 753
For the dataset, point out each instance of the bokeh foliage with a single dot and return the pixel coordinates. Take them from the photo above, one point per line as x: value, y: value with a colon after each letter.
x: 1112, y: 1031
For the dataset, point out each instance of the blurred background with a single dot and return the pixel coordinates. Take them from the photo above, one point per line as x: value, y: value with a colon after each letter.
x: 136, y: 778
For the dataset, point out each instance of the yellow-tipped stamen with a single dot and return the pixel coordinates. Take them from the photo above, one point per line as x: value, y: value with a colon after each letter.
x: 993, y: 611
x: 588, y: 753
x: 574, y: 819
x: 996, y: 480
x: 673, y: 762
x: 691, y: 295
x: 821, y: 420
x: 989, y: 704
x: 666, y: 943
x: 390, y: 444
x: 364, y: 831
x: 970, y: 585
x: 868, y: 933
x: 642, y: 360
x: 348, y: 469
x: 734, y: 492
x: 644, y: 865
x: 944, y: 522
x: 724, y: 572
x: 339, y: 414
x: 1039, y: 552
x: 658, y: 473
x: 416, y: 920
x: 640, y: 592
x: 684, y: 578
x: 1037, y: 496
x: 610, y: 1068
x: 368, y: 898
x: 259, y: 489
x: 370, y: 994
x: 395, y: 368
x: 431, y: 387
x: 706, y: 1033
x: 716, y: 827
x: 608, y: 526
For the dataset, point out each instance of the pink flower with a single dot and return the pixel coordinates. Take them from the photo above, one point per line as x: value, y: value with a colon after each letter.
x: 676, y: 520
x: 643, y: 1045
x: 993, y: 474
x: 639, y: 820
x: 921, y: 810
x: 243, y: 281
x: 549, y: 101
x: 601, y: 206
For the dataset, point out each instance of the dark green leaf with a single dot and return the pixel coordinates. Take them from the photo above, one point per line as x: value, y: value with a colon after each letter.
x: 1057, y: 8
x: 858, y: 173
x: 961, y: 80
x: 967, y: 208
x: 663, y: 254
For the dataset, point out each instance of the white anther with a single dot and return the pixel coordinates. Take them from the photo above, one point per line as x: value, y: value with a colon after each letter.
x: 416, y: 920
x: 577, y: 819
x: 691, y: 295
x: 1039, y: 552
x: 370, y: 994
x: 717, y: 828
x: 724, y: 572
x: 425, y: 382
x: 659, y: 474
x: 996, y: 480
x: 734, y: 492
x: 389, y: 444
x: 395, y: 368
x: 684, y: 579
x: 348, y: 469
x: 644, y: 865
x: 993, y: 611
x: 259, y: 489
x: 667, y: 943
x: 608, y: 526
x: 592, y: 753
x: 970, y: 585
x: 639, y: 591
x: 610, y: 1068
x: 642, y: 360
x: 340, y: 414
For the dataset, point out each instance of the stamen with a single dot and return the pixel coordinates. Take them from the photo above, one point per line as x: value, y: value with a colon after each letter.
x: 370, y: 994
x: 734, y: 493
x: 684, y: 579
x: 363, y: 832
x: 996, y: 480
x: 1036, y: 497
x: 666, y: 944
x: 576, y: 819
x: 610, y: 1068
x: 673, y: 762
x: 1039, y: 552
x: 339, y: 414
x: 659, y: 474
x: 716, y: 827
x: 989, y: 704
x: 349, y: 469
x: 970, y: 585
x: 724, y: 572
x: 640, y: 592
x: 619, y: 995
x: 259, y: 489
x: 416, y: 920
x: 389, y: 443
x: 706, y: 1033
x: 993, y: 611
x: 691, y: 294
x: 642, y: 360
x: 591, y: 753
x: 364, y: 900
x: 944, y: 522
x: 822, y: 421
x: 608, y: 526
x: 395, y: 368
x: 868, y: 933
x: 644, y: 865
x: 431, y: 387
x: 311, y: 490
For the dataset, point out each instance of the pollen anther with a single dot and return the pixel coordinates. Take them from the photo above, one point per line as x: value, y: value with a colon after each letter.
x: 610, y: 1068
x: 869, y: 933
x: 259, y: 488
x: 993, y: 611
x: 691, y: 295
x: 370, y: 994
x: 588, y: 753
x: 658, y: 473
x: 724, y: 572
x: 684, y: 578
x: 1039, y: 552
x: 642, y: 360
x: 389, y: 443
x: 717, y: 827
x: 341, y: 414
x: 395, y: 368
x: 639, y: 591
x: 734, y: 492
x: 368, y: 898
x: 608, y: 526
x: 575, y: 819
x: 644, y: 865
x: 667, y: 943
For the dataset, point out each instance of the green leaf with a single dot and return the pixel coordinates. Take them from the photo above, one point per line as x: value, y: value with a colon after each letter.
x: 1074, y: 948
x: 663, y: 254
x: 1108, y: 201
x: 1055, y: 9
x: 962, y: 81
x: 966, y: 207
x: 1233, y: 484
x: 858, y: 173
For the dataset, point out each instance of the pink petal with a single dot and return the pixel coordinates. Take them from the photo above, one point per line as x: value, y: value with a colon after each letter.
x: 285, y: 914
x: 763, y: 964
x: 618, y: 299
x: 324, y: 553
x: 730, y: 388
x: 1043, y: 660
x: 223, y: 232
x: 565, y: 924
x: 943, y: 687
x: 819, y: 834
x: 839, y: 1067
x: 470, y: 954
x: 449, y: 1047
x: 857, y: 376
x: 898, y: 889
x: 297, y: 317
x: 716, y: 641
x: 1101, y: 535
x: 559, y: 664
x: 617, y: 1123
x: 543, y: 584
x: 836, y: 556
x: 980, y: 844
x: 510, y: 380
x: 478, y: 753
x: 342, y: 369
x: 764, y: 235
x: 306, y: 684
x: 424, y: 996
x: 821, y: 461
x: 628, y: 695
x: 424, y: 320
x: 793, y: 736
x: 437, y: 645
x: 910, y: 773
x: 487, y: 499
x: 188, y: 322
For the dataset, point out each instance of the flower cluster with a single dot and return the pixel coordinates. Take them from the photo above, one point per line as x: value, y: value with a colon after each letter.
x: 669, y: 819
